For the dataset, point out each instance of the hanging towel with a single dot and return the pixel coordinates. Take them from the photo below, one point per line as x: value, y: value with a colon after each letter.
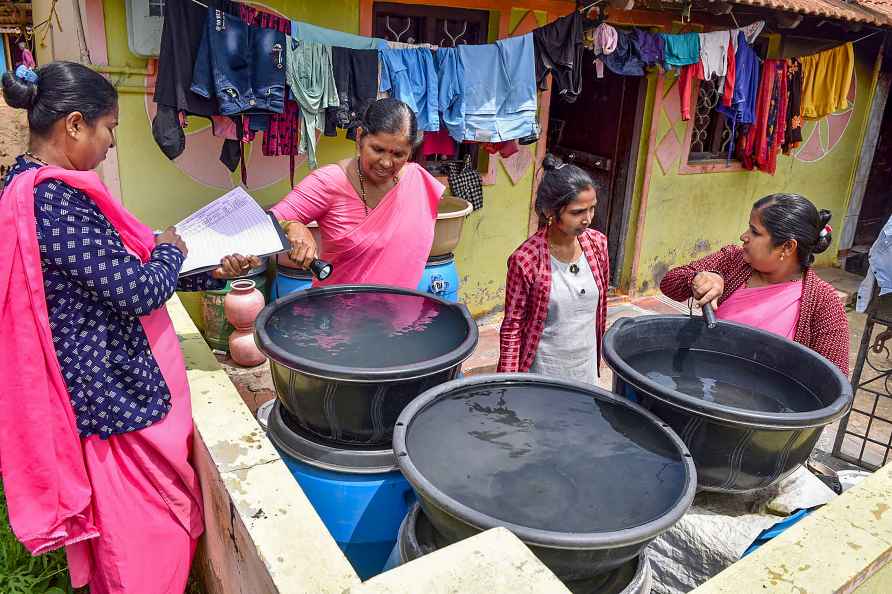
x: 558, y: 47
x: 793, y: 128
x: 680, y: 50
x: 826, y: 80
x: 310, y: 76
x: 410, y: 76
x: 603, y: 43
x: 330, y: 37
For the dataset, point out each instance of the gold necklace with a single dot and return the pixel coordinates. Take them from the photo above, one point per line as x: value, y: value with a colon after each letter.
x: 362, y: 193
x: 36, y: 159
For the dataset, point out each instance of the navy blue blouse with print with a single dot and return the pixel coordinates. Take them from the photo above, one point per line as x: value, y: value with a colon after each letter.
x: 95, y: 292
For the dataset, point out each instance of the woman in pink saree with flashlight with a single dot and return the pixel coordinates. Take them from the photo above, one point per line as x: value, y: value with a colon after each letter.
x: 376, y: 211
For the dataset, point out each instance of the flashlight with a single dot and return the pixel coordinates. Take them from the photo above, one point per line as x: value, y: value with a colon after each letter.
x: 320, y: 268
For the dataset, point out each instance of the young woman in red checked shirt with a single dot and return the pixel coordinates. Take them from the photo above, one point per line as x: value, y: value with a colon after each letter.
x: 768, y: 282
x: 556, y: 290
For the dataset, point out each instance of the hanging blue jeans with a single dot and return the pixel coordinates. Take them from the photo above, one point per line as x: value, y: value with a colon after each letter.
x: 243, y: 65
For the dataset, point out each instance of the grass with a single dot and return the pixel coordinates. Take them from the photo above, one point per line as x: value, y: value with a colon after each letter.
x: 20, y: 573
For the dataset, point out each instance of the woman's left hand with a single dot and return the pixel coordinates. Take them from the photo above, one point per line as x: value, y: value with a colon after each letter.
x: 235, y: 266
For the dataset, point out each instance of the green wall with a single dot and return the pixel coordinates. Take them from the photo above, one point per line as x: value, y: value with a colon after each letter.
x: 690, y: 215
x: 160, y: 194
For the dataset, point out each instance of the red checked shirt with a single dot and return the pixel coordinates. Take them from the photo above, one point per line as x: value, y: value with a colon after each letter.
x: 528, y: 290
x: 822, y: 326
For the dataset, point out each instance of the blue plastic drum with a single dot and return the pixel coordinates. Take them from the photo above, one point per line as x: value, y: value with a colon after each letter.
x: 359, y: 495
x: 288, y: 280
x: 441, y: 278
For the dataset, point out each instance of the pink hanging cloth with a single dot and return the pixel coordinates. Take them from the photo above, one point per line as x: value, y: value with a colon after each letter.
x: 773, y: 308
x: 128, y: 508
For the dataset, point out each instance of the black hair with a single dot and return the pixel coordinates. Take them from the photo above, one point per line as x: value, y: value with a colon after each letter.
x: 560, y: 184
x: 390, y: 116
x: 791, y: 216
x: 61, y: 88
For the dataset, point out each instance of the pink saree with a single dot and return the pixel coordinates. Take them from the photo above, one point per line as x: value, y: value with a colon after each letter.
x: 774, y: 308
x: 128, y: 509
x: 389, y: 247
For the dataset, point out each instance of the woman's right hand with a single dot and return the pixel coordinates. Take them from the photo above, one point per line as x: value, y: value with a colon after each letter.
x: 171, y: 236
x: 303, y: 246
x: 707, y: 287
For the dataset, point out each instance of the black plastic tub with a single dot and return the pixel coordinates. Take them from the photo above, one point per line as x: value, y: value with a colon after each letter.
x: 345, y: 360
x: 417, y: 537
x: 586, y: 479
x: 749, y: 405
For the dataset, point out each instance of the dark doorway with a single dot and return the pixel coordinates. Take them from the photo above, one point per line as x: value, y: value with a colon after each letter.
x: 876, y: 207
x: 600, y: 133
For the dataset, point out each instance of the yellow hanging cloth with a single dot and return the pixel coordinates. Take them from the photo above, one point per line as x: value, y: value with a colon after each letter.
x: 826, y: 79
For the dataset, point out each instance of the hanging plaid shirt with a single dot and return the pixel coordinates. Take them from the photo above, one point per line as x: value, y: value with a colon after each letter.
x: 95, y: 292
x: 823, y: 326
x: 528, y: 290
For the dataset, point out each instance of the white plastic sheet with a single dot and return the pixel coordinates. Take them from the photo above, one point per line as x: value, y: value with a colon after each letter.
x: 719, y: 528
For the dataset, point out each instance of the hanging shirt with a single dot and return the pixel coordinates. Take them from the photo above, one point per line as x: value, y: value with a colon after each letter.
x: 826, y: 81
x: 649, y: 46
x: 558, y: 47
x: 310, y: 76
x: 451, y: 82
x: 499, y: 90
x: 409, y: 75
x: 330, y: 37
x: 568, y: 347
x: 680, y: 50
x: 714, y: 53
x: 623, y: 60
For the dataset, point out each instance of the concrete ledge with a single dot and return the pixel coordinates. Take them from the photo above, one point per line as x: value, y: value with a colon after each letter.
x: 494, y: 561
x: 262, y: 534
x: 844, y: 546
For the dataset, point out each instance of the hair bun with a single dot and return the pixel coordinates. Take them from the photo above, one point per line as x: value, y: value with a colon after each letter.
x: 550, y: 162
x: 20, y: 94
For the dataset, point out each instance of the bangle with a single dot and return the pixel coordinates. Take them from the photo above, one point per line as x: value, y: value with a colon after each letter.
x: 285, y: 225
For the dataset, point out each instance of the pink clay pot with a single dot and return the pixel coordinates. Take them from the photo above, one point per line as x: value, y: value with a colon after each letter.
x: 243, y: 303
x: 241, y: 306
x: 243, y: 350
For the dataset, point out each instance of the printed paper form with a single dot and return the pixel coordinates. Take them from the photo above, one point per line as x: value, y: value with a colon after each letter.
x: 233, y: 223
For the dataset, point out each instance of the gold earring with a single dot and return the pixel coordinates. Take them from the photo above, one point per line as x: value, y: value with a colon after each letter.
x: 550, y: 220
x: 782, y: 257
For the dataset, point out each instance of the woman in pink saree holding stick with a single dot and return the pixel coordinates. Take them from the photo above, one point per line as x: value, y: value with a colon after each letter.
x: 376, y: 211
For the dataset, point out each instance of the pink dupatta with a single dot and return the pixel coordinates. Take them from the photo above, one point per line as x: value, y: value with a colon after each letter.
x: 773, y: 308
x: 391, y: 246
x: 46, y: 482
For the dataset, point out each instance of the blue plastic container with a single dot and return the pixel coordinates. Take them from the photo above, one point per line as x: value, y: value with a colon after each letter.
x: 441, y: 278
x: 289, y: 280
x: 359, y: 495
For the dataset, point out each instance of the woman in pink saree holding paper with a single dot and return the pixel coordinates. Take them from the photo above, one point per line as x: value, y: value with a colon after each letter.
x: 95, y: 417
x: 376, y: 211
